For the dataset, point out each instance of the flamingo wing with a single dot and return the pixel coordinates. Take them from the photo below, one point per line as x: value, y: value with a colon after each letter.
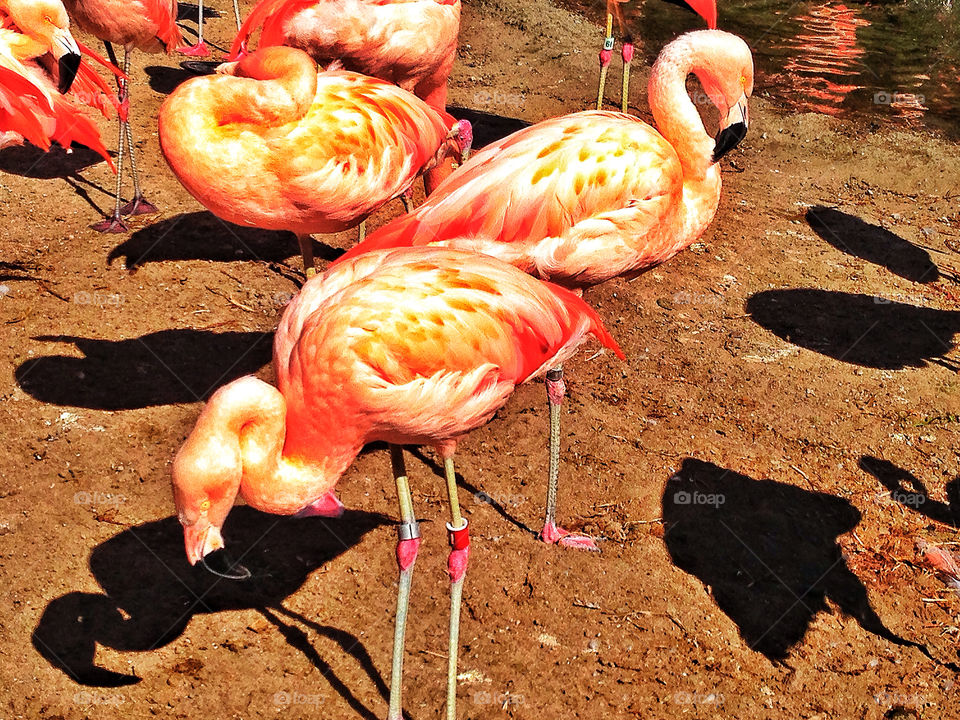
x: 22, y: 105
x: 428, y: 342
x: 531, y: 198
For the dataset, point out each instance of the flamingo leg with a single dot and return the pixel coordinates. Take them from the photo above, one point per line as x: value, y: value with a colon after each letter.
x: 115, y: 224
x: 236, y: 13
x: 605, y: 56
x: 457, y: 567
x: 407, y: 199
x: 306, y: 251
x: 407, y: 547
x: 551, y: 532
x: 200, y: 48
x: 626, y: 52
x: 362, y: 231
x: 139, y: 205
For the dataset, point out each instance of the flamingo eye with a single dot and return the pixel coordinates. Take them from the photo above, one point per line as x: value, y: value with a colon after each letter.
x: 205, y: 505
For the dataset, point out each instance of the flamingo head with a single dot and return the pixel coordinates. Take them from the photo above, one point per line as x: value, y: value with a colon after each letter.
x: 206, y: 481
x: 46, y: 22
x: 725, y: 70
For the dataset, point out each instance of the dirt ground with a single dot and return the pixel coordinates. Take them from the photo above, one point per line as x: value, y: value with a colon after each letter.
x: 759, y: 470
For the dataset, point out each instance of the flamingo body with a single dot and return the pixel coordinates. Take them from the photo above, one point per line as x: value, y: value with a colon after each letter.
x: 280, y: 146
x: 411, y: 44
x: 585, y: 197
x: 412, y: 345
x: 148, y: 25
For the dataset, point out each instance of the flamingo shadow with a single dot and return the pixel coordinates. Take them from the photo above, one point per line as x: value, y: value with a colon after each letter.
x: 487, y: 127
x: 162, y: 368
x: 864, y: 330
x: 872, y: 243
x: 909, y: 491
x: 768, y: 551
x: 190, y: 11
x: 165, y: 80
x: 203, y: 236
x: 31, y: 162
x: 150, y: 592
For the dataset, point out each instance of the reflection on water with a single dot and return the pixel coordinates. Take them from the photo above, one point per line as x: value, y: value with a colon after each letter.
x: 890, y: 59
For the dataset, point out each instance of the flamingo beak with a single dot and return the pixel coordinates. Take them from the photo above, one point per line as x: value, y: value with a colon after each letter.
x: 67, y: 53
x: 200, y: 540
x: 733, y: 129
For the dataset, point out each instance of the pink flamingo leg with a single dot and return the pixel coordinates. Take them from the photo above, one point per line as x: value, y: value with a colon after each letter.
x: 407, y: 547
x: 200, y: 49
x: 605, y: 56
x: 552, y: 534
x: 457, y: 567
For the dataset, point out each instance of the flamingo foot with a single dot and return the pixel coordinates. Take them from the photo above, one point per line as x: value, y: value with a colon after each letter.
x: 139, y: 206
x: 112, y: 224
x: 553, y: 535
x: 327, y: 506
x: 198, y: 50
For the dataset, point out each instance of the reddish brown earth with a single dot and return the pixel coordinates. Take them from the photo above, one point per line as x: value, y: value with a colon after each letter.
x: 759, y: 470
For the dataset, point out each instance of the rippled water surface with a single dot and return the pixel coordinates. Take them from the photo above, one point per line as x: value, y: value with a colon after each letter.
x: 899, y: 60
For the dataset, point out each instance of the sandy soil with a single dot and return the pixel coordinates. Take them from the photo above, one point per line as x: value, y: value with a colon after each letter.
x: 784, y: 430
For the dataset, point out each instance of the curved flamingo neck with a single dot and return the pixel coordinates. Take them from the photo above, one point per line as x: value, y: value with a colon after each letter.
x: 250, y: 416
x: 676, y: 116
x: 285, y: 89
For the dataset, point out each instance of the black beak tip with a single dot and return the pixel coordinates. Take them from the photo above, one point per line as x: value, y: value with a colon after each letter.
x: 69, y: 65
x: 728, y: 139
x: 222, y: 565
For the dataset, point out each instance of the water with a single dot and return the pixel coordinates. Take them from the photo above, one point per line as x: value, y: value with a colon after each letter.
x: 892, y: 60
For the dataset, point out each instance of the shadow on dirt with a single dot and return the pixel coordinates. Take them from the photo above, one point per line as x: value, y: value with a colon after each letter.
x: 487, y: 127
x: 872, y: 243
x: 908, y: 490
x: 162, y: 368
x: 768, y: 551
x: 32, y: 162
x: 150, y: 592
x: 204, y: 236
x: 866, y: 330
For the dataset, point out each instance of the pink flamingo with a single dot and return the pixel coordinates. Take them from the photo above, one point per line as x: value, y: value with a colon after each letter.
x: 275, y: 144
x: 408, y: 346
x: 148, y: 25
x: 586, y: 197
x: 40, y: 62
x: 410, y: 43
x: 707, y: 9
x: 200, y: 49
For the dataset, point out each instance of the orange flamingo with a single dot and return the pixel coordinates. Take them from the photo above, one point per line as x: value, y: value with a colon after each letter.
x: 707, y: 9
x: 408, y: 346
x: 586, y: 197
x: 276, y: 145
x: 148, y: 25
x: 40, y: 62
x: 200, y: 49
x: 411, y: 43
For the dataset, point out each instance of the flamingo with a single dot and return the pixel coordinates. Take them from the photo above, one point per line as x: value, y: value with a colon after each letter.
x: 410, y: 43
x: 583, y: 198
x: 200, y: 49
x: 408, y: 346
x: 148, y: 25
x: 707, y: 9
x: 275, y: 144
x: 40, y: 62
